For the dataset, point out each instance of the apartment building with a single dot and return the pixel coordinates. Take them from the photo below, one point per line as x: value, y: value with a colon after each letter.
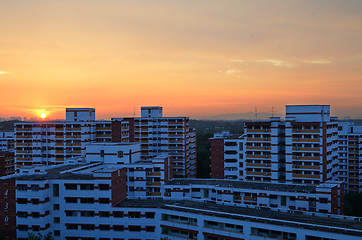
x: 89, y: 201
x: 302, y: 149
x: 160, y: 135
x: 7, y: 165
x: 52, y: 142
x: 7, y: 141
x: 103, y: 131
x: 227, y: 156
x: 311, y: 146
x: 56, y: 198
x: 350, y: 155
x: 324, y: 198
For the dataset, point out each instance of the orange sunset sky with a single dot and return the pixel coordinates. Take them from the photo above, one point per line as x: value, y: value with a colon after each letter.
x: 195, y: 58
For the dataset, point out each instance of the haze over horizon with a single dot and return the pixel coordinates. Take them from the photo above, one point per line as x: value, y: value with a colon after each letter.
x: 194, y: 58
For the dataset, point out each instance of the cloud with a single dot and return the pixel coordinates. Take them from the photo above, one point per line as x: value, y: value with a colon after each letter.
x: 230, y: 71
x: 282, y: 63
x: 317, y: 61
x: 3, y: 72
x: 274, y: 62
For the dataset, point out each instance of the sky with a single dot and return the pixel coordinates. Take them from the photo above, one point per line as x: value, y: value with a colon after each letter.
x: 193, y: 57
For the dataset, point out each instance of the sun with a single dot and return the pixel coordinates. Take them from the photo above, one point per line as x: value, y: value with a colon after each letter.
x: 43, y: 115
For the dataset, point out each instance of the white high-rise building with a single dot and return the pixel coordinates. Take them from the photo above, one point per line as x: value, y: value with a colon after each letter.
x: 302, y: 149
x: 52, y: 142
x: 160, y: 135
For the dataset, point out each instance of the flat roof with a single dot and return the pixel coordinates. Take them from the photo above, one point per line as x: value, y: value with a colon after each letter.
x: 295, y: 220
x: 280, y: 187
x: 54, y: 173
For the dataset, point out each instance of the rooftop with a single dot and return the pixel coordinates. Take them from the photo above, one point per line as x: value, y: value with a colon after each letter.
x: 54, y: 173
x: 311, y: 222
x: 280, y: 187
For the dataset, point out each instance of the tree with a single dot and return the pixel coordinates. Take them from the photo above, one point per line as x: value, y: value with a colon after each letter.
x: 352, y: 204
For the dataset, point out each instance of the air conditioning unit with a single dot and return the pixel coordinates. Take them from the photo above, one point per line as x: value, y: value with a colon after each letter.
x: 296, y: 139
x: 266, y: 130
x: 297, y: 130
x: 297, y: 148
x: 266, y: 147
x: 265, y: 164
x: 69, y: 151
x: 297, y: 157
x: 297, y: 166
x: 266, y: 174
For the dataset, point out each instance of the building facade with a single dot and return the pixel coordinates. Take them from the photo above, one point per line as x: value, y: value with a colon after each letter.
x: 160, y: 135
x: 350, y: 155
x: 89, y: 201
x: 302, y: 149
x: 324, y: 198
x: 7, y: 165
x: 51, y: 143
x: 7, y: 141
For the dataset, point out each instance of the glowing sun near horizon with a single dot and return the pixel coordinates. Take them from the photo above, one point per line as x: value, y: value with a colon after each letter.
x: 43, y: 115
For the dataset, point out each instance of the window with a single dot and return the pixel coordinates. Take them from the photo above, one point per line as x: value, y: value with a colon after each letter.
x: 87, y: 226
x: 71, y: 213
x: 150, y: 215
x: 87, y: 213
x: 86, y: 187
x: 87, y: 200
x: 35, y: 188
x: 36, y: 228
x: 118, y: 214
x: 104, y: 227
x: 22, y: 187
x: 119, y: 228
x: 70, y: 186
x: 56, y: 233
x: 56, y: 207
x: 22, y: 201
x: 323, y: 200
x: 55, y: 190
x: 103, y: 214
x: 71, y: 200
x: 56, y: 219
x: 134, y: 214
x: 35, y: 201
x: 35, y: 215
x: 71, y: 226
x: 23, y: 227
x: 103, y: 186
x: 283, y: 200
x: 134, y: 228
x: 104, y: 200
x: 150, y: 228
x: 22, y: 214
